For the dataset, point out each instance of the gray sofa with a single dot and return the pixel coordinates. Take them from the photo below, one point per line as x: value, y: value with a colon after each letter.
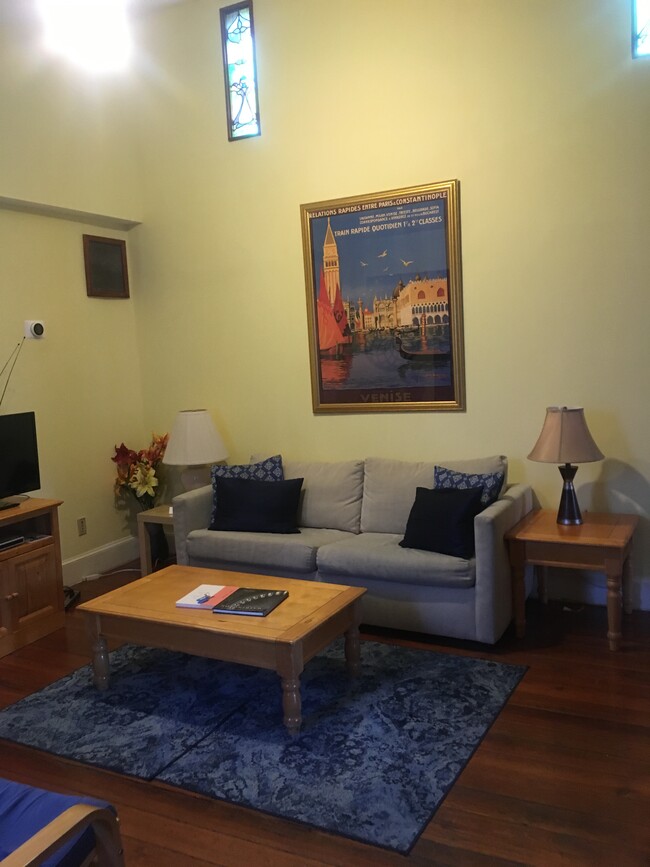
x: 353, y: 515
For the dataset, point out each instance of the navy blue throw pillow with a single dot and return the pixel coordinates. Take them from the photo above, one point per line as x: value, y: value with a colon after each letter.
x: 442, y: 520
x: 248, y: 505
x: 269, y: 470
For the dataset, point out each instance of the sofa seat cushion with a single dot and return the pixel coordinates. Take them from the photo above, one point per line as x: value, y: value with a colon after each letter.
x: 294, y: 552
x: 379, y: 557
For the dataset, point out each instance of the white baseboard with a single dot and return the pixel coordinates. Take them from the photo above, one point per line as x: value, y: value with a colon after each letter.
x: 100, y: 560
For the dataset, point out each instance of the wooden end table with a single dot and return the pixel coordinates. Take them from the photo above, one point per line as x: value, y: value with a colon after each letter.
x: 158, y: 515
x: 601, y: 543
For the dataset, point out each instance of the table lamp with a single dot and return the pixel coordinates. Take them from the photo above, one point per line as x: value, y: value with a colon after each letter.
x: 565, y: 440
x: 194, y: 443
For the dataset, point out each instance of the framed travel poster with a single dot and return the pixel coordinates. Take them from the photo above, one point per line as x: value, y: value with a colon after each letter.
x: 384, y: 301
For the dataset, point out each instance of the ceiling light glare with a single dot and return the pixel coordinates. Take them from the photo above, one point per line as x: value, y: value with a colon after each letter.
x: 92, y: 33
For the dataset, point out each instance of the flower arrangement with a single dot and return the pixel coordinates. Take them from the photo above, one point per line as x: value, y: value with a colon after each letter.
x: 136, y: 471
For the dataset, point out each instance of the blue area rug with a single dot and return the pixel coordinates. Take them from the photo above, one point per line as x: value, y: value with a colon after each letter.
x: 374, y: 759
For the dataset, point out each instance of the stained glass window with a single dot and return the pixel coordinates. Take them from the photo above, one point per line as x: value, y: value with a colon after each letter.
x: 238, y: 41
x: 641, y: 28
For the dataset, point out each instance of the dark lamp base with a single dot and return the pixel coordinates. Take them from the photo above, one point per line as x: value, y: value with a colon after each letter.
x: 569, y: 511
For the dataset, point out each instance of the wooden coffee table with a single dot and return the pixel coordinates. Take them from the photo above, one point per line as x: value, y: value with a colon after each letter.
x: 309, y: 619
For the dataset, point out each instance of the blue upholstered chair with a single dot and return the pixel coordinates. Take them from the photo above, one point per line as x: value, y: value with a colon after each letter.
x: 38, y: 827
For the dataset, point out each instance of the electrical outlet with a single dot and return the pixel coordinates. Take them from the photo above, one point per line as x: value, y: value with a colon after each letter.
x: 81, y: 526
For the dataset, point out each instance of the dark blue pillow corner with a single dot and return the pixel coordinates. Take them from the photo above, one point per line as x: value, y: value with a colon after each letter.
x: 442, y: 521
x: 268, y: 470
x: 254, y: 506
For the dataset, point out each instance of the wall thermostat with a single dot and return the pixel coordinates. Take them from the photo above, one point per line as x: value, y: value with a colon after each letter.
x: 34, y: 328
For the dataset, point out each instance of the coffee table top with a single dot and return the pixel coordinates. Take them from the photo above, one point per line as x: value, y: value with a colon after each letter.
x: 153, y: 598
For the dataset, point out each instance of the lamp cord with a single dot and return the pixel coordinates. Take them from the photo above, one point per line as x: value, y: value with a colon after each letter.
x: 14, y: 354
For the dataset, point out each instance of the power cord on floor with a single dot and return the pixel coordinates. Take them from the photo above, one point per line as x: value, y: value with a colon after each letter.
x: 95, y: 575
x: 71, y: 596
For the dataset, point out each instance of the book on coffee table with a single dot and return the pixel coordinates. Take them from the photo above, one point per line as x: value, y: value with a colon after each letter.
x: 205, y: 596
x: 247, y: 600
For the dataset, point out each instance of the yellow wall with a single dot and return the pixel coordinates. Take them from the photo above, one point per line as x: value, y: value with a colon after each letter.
x: 64, y: 145
x: 82, y: 379
x: 538, y: 109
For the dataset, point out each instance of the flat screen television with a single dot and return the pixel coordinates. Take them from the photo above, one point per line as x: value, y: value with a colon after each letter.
x: 19, y: 470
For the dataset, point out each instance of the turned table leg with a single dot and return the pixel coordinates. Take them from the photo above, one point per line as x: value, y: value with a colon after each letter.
x: 614, y: 573
x: 289, y: 663
x: 292, y: 704
x: 100, y: 661
x: 101, y: 664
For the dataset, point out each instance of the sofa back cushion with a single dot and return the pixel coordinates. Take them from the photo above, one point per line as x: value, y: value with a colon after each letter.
x: 331, y: 493
x: 390, y: 485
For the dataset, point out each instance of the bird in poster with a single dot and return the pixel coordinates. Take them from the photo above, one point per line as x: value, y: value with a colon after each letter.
x: 405, y: 263
x: 383, y: 255
x: 363, y: 264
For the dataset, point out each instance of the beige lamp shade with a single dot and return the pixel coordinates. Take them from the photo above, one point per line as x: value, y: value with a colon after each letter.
x: 194, y: 440
x: 565, y: 438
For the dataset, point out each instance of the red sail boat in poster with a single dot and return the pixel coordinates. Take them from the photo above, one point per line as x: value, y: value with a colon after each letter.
x: 330, y: 334
x: 339, y: 315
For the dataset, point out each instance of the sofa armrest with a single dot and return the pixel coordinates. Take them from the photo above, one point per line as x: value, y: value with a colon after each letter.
x: 68, y: 825
x: 192, y: 511
x: 493, y: 582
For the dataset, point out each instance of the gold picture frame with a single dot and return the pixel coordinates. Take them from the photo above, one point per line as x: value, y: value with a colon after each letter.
x: 384, y: 300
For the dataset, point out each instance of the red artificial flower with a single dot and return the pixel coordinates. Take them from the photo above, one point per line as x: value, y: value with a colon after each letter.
x: 136, y: 471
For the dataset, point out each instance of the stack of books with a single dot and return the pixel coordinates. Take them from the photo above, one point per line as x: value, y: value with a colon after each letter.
x: 223, y: 599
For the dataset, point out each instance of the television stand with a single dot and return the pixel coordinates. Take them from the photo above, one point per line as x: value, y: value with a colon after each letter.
x: 31, y: 575
x: 7, y: 504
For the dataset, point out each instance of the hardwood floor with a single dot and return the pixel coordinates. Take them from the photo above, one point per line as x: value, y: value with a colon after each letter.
x: 562, y: 778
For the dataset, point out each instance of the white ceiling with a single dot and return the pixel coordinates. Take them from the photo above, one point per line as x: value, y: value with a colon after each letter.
x: 25, y: 10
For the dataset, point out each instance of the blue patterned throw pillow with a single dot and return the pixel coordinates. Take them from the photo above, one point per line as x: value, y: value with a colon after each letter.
x: 269, y: 470
x: 489, y: 482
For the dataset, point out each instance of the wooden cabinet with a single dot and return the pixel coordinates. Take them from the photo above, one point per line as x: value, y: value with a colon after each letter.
x: 31, y: 579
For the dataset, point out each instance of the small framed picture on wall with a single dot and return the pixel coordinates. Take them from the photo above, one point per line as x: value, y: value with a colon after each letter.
x: 106, y: 271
